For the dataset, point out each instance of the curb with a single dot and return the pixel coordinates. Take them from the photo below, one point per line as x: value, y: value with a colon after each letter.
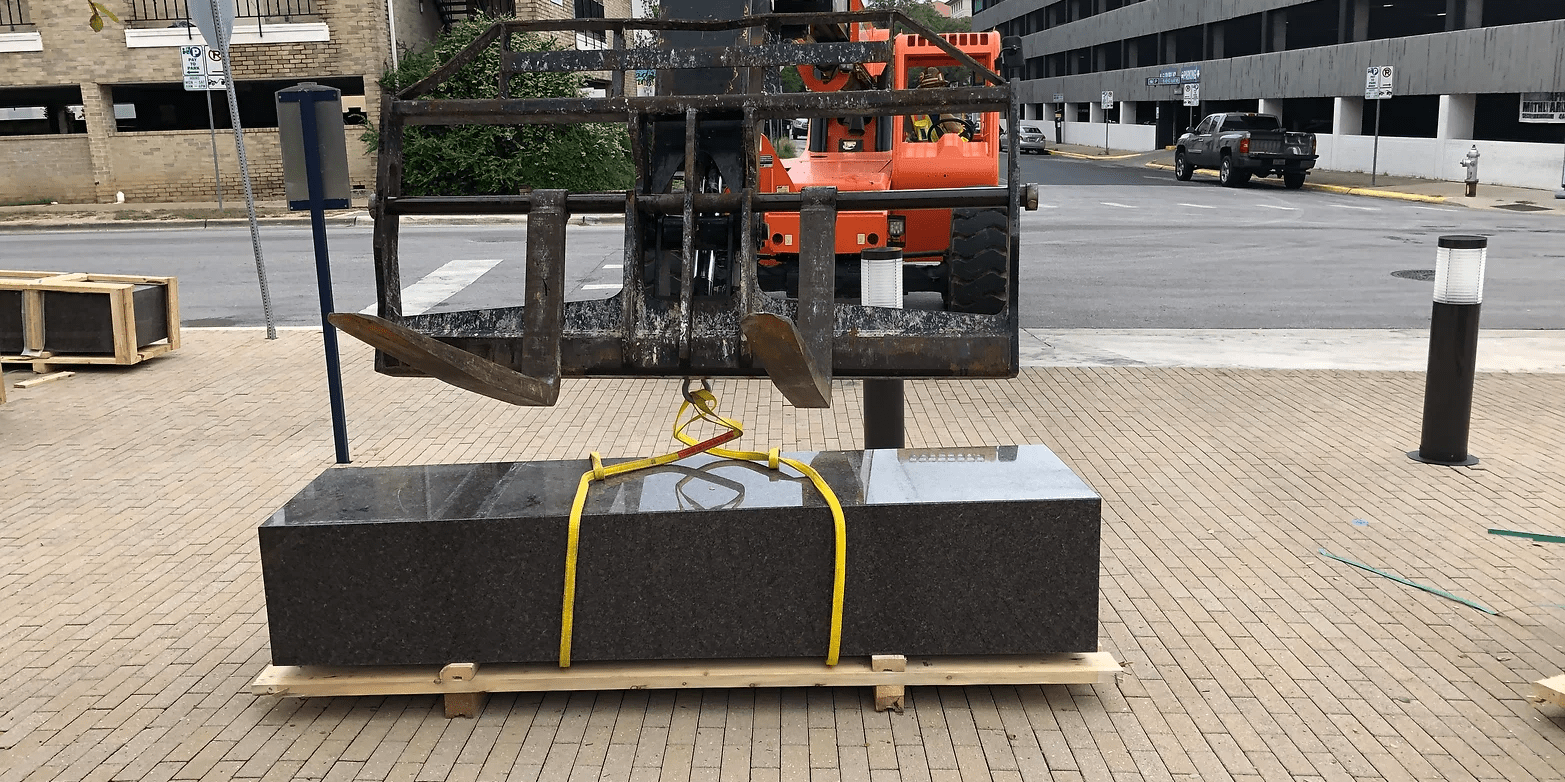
x: 347, y: 221
x: 1358, y: 191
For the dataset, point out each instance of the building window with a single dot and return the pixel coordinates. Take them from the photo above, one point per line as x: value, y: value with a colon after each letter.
x: 1498, y: 12
x: 38, y: 111
x: 171, y: 107
x: 13, y: 15
x: 594, y: 39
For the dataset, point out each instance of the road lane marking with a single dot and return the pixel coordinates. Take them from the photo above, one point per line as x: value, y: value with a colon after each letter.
x: 613, y: 265
x: 1121, y: 206
x: 1199, y: 206
x: 1360, y: 208
x: 600, y: 287
x: 441, y: 284
x: 1284, y: 208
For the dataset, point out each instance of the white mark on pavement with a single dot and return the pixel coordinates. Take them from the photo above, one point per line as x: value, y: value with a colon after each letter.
x: 616, y: 286
x: 1284, y: 208
x: 1199, y: 206
x: 1121, y: 206
x: 613, y: 265
x: 1360, y: 208
x: 440, y: 284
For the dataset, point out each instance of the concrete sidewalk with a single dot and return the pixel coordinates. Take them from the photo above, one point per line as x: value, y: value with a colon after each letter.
x: 132, y: 615
x: 1515, y: 199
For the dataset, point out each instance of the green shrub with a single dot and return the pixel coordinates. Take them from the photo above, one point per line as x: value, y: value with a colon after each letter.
x: 502, y: 159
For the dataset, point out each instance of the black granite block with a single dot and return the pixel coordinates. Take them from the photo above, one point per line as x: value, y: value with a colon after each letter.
x: 950, y: 552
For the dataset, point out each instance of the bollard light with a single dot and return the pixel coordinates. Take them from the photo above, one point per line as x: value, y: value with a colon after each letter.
x: 1459, y: 264
x: 880, y: 285
x: 1453, y: 351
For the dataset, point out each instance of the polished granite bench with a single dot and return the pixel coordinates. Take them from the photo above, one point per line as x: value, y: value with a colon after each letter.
x: 951, y: 551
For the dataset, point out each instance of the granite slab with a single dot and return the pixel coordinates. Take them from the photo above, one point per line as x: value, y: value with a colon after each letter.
x: 968, y: 551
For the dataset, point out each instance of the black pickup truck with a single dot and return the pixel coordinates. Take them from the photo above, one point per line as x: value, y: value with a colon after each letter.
x: 1242, y: 145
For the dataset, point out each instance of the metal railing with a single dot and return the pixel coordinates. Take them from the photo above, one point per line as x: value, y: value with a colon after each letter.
x: 176, y: 10
x: 13, y: 13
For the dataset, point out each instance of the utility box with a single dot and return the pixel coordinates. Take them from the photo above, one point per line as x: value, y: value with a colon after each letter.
x: 306, y: 113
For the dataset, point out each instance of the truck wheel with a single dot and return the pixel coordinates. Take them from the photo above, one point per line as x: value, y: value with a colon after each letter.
x: 1182, y: 169
x: 1227, y: 176
x: 1293, y: 181
x: 979, y: 262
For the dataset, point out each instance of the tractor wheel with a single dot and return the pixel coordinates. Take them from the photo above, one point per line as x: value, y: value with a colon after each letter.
x: 979, y: 262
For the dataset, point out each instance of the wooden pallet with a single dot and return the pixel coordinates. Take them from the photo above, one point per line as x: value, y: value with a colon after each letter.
x: 1550, y: 690
x: 464, y: 685
x: 119, y: 290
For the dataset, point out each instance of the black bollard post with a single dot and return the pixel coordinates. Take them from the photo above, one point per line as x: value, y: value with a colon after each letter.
x: 1453, y: 351
x: 880, y: 285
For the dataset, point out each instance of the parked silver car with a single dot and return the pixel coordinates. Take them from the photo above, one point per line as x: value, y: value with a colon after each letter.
x: 1031, y: 135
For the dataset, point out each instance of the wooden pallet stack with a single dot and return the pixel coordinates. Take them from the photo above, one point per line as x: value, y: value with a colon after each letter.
x: 50, y: 318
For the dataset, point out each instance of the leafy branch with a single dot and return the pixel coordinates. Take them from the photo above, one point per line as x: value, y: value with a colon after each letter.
x: 98, y: 12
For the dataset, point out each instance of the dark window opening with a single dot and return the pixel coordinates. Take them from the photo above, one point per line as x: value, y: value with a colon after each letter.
x: 1220, y: 106
x: 1239, y: 37
x: 1389, y: 19
x: 1036, y: 68
x: 1056, y: 15
x: 1412, y: 116
x: 1035, y: 22
x: 1083, y: 112
x: 1309, y: 25
x: 1080, y: 61
x: 1057, y: 64
x: 1187, y: 45
x: 1310, y: 115
x: 1498, y: 12
x: 38, y: 111
x: 1497, y: 117
x: 1106, y: 57
x: 171, y: 107
x: 1142, y: 52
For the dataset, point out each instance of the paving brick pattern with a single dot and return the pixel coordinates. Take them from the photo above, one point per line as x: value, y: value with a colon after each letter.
x: 132, y: 618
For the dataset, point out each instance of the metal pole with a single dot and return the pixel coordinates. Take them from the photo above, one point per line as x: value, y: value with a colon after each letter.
x: 312, y: 166
x: 1560, y: 193
x: 1453, y: 352
x: 1374, y: 163
x: 244, y: 175
x: 1105, y: 131
x: 217, y: 174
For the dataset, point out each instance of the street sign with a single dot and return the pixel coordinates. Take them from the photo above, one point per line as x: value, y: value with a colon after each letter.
x: 1190, y: 74
x: 213, y: 17
x: 1059, y: 97
x: 1108, y: 100
x: 1543, y: 107
x: 203, y: 67
x: 1377, y: 82
x: 1192, y: 96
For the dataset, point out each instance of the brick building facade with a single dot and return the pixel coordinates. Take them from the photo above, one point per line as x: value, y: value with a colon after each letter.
x: 86, y: 115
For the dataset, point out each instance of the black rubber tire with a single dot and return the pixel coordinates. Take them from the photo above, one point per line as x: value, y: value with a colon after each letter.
x: 1228, y: 177
x: 1293, y: 181
x: 1182, y: 168
x: 979, y: 263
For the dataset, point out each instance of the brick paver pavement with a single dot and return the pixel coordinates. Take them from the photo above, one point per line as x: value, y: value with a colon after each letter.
x: 132, y: 617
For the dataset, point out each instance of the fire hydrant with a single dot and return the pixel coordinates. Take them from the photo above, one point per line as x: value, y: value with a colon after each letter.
x: 1470, y: 162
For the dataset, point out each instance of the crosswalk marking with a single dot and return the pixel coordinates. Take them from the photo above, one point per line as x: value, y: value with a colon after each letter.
x: 440, y: 284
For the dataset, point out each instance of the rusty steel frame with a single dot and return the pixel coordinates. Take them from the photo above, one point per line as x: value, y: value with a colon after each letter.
x: 520, y: 353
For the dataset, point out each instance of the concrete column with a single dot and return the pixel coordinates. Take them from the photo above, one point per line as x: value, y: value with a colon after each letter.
x: 1456, y: 116
x: 1095, y: 112
x: 1348, y: 117
x: 1360, y: 20
x: 1270, y: 106
x: 1279, y: 31
x: 1216, y: 51
x: 1474, y: 14
x: 1070, y: 111
x: 98, y: 110
x: 1127, y: 112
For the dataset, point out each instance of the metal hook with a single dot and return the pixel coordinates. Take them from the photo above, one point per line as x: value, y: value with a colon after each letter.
x: 706, y: 385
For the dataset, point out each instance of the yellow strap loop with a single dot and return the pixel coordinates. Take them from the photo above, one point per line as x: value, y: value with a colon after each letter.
x: 705, y: 409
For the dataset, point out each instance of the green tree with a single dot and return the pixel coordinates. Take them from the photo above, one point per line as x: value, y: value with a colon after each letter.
x: 923, y: 12
x: 502, y: 159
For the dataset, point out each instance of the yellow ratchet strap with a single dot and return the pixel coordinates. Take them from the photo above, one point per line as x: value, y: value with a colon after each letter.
x: 704, y: 403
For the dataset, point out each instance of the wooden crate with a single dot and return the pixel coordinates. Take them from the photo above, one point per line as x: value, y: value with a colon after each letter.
x: 52, y: 318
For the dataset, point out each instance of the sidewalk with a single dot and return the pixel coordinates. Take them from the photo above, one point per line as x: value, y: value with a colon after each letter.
x: 132, y: 615
x: 1515, y: 199
x: 143, y: 216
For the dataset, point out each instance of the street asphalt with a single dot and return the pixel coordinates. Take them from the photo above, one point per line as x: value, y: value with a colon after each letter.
x: 1112, y: 246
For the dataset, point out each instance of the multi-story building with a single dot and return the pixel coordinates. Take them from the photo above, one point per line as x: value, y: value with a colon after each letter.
x: 85, y: 115
x: 1463, y: 70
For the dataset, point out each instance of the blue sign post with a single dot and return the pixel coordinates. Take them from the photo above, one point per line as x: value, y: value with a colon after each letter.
x: 303, y: 144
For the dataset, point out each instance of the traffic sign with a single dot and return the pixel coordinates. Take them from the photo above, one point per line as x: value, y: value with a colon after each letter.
x: 1059, y: 97
x: 215, y: 20
x: 1108, y: 99
x: 203, y: 67
x: 1377, y: 82
x: 1192, y: 96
